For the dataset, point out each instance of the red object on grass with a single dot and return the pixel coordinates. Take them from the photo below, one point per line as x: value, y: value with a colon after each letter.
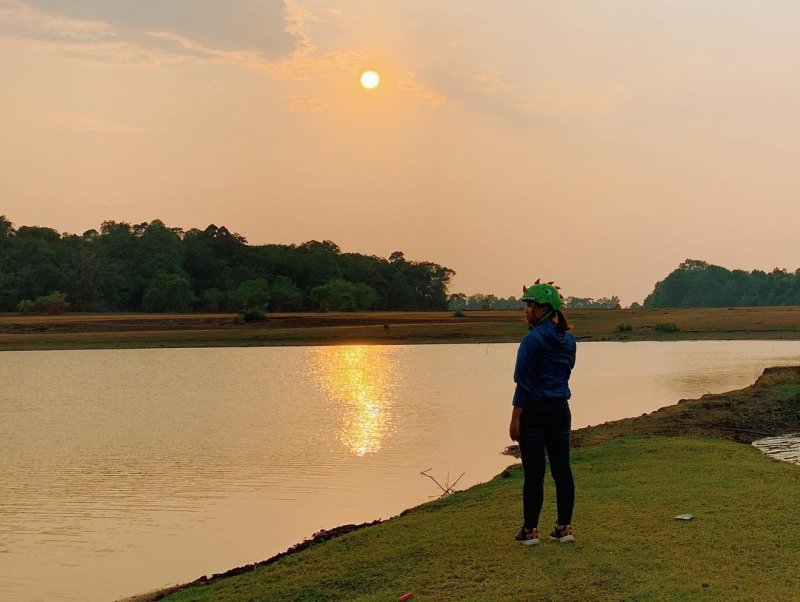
x: 407, y: 596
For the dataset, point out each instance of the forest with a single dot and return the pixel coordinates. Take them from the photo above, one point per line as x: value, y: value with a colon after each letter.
x: 697, y: 283
x: 154, y: 268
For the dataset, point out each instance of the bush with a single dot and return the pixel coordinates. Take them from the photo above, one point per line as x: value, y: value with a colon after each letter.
x: 252, y: 315
x: 624, y: 327
x: 54, y: 303
x: 667, y: 327
x: 458, y: 314
x: 25, y: 306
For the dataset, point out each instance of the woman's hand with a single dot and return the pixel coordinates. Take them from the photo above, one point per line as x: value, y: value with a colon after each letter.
x: 513, y: 429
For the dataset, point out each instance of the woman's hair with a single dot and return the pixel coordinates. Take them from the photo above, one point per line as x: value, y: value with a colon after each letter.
x: 562, y: 325
x: 561, y: 320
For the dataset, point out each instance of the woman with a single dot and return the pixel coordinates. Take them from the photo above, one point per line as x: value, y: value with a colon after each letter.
x: 541, y: 418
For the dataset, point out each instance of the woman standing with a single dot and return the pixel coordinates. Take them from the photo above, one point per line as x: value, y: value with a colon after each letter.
x: 541, y: 418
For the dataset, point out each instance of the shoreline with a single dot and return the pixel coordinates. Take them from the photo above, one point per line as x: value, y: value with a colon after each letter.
x: 146, y: 331
x: 737, y: 416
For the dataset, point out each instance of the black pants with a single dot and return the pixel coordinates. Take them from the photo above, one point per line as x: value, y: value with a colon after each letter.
x: 545, y: 427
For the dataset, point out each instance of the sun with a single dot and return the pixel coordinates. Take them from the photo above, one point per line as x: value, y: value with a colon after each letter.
x: 370, y: 80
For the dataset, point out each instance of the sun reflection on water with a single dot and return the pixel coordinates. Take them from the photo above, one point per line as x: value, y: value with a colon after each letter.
x: 360, y: 378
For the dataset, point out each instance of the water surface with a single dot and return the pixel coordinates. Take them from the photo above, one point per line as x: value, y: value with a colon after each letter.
x: 127, y: 470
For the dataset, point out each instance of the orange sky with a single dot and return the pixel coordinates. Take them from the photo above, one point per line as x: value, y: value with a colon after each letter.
x: 596, y: 143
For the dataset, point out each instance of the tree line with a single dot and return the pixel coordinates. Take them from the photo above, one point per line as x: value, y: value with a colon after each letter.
x: 479, y: 301
x: 155, y: 268
x: 696, y: 283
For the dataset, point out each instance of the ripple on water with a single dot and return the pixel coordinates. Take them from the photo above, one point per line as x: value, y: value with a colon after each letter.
x: 783, y: 447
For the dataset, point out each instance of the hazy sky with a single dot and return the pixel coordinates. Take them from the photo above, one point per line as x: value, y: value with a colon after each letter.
x: 597, y: 143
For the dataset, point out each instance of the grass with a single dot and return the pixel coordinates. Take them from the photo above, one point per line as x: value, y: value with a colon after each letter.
x: 629, y: 547
x: 631, y: 481
x: 103, y: 331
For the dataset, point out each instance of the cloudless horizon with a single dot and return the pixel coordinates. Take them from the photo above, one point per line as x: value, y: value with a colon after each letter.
x: 596, y: 144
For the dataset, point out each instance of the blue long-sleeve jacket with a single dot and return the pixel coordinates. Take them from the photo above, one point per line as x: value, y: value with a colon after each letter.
x: 544, y: 363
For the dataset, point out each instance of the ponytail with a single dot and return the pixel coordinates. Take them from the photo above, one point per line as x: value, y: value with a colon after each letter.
x: 556, y: 315
x: 562, y: 325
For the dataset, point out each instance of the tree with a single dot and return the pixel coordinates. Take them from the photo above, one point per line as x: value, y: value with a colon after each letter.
x: 319, y: 262
x: 159, y: 249
x: 251, y: 294
x: 10, y: 265
x: 400, y: 295
x: 476, y: 301
x: 285, y: 296
x: 336, y: 295
x: 430, y: 282
x: 589, y: 303
x: 670, y: 291
x: 116, y: 250
x: 511, y: 303
x: 367, y: 269
x: 364, y: 296
x: 209, y: 253
x: 6, y: 228
x: 213, y: 298
x: 168, y: 292
x: 457, y: 301
x: 488, y: 302
x: 40, y: 261
x: 340, y: 295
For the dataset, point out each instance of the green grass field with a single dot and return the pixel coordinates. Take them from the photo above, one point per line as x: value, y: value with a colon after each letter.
x: 108, y: 331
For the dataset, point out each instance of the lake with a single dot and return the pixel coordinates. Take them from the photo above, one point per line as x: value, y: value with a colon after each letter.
x: 125, y: 470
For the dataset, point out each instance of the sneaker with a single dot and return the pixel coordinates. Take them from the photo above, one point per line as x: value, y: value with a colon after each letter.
x: 562, y: 534
x: 528, y: 537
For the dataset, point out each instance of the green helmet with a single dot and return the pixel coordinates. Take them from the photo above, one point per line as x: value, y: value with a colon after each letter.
x: 543, y: 294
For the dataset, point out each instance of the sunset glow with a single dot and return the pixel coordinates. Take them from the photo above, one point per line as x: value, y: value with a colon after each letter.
x: 382, y: 125
x: 359, y: 379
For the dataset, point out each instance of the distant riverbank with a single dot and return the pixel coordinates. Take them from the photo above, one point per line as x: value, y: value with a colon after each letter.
x: 136, y: 331
x: 636, y: 475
